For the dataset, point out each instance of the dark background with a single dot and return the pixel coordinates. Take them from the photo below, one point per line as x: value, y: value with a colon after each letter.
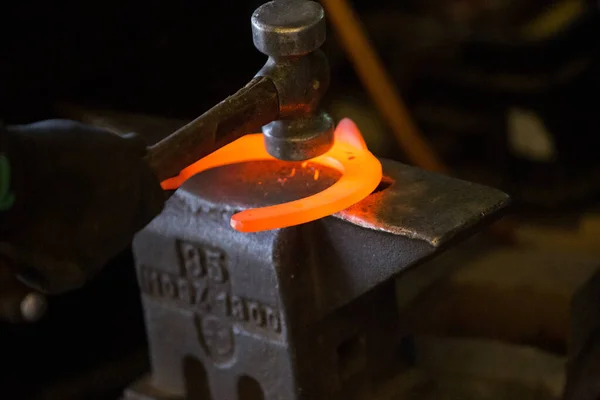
x: 176, y: 59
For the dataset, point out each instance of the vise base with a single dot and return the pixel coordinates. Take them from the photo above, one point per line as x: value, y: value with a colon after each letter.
x: 306, y: 312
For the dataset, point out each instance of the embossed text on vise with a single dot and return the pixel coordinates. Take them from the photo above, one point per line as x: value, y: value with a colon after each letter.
x: 203, y: 285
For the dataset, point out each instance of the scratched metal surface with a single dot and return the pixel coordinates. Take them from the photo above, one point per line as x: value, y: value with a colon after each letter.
x: 424, y: 205
x: 412, y: 203
x: 231, y: 314
x: 391, y: 230
x: 417, y: 204
x: 275, y: 307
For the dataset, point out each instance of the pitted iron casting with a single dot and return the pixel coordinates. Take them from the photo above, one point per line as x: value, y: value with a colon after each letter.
x: 306, y: 312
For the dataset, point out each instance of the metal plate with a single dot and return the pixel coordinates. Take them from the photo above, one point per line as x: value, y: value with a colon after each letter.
x: 424, y: 205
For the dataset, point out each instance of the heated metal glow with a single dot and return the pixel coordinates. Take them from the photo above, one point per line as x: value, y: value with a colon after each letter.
x: 360, y: 174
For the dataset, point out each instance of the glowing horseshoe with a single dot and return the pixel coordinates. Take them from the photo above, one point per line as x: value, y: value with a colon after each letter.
x: 360, y: 174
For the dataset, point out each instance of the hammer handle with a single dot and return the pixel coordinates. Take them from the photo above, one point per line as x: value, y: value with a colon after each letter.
x: 253, y: 106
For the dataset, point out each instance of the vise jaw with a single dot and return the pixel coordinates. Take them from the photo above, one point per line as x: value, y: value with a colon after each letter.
x: 306, y: 312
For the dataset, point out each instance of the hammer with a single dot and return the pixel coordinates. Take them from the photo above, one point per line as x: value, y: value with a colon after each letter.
x: 281, y: 100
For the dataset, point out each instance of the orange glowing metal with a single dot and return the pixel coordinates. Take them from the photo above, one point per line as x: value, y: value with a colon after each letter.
x: 361, y: 173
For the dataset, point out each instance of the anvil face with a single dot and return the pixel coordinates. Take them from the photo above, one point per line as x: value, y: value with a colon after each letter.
x: 302, y: 312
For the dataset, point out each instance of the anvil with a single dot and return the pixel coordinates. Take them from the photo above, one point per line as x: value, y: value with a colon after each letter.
x: 305, y: 312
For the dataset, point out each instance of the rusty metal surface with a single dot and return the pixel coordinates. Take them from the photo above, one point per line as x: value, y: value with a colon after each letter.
x: 306, y: 312
x: 424, y: 205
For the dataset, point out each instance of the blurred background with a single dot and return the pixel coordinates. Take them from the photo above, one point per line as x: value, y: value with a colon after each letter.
x: 504, y: 91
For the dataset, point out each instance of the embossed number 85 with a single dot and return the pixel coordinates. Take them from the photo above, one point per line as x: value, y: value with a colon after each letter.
x: 197, y: 262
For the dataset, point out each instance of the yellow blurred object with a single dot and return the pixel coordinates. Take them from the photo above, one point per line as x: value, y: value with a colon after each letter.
x: 380, y: 86
x: 557, y: 17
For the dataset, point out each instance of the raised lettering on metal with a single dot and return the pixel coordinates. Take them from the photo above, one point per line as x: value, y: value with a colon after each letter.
x: 203, y: 286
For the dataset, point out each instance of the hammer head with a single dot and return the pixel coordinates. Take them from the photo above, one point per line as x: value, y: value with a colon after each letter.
x: 288, y: 28
x: 290, y: 32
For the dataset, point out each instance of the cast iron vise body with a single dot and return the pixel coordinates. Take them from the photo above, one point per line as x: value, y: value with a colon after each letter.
x: 306, y: 312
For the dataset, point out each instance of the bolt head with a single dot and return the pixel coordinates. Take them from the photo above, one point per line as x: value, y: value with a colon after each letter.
x: 285, y: 28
